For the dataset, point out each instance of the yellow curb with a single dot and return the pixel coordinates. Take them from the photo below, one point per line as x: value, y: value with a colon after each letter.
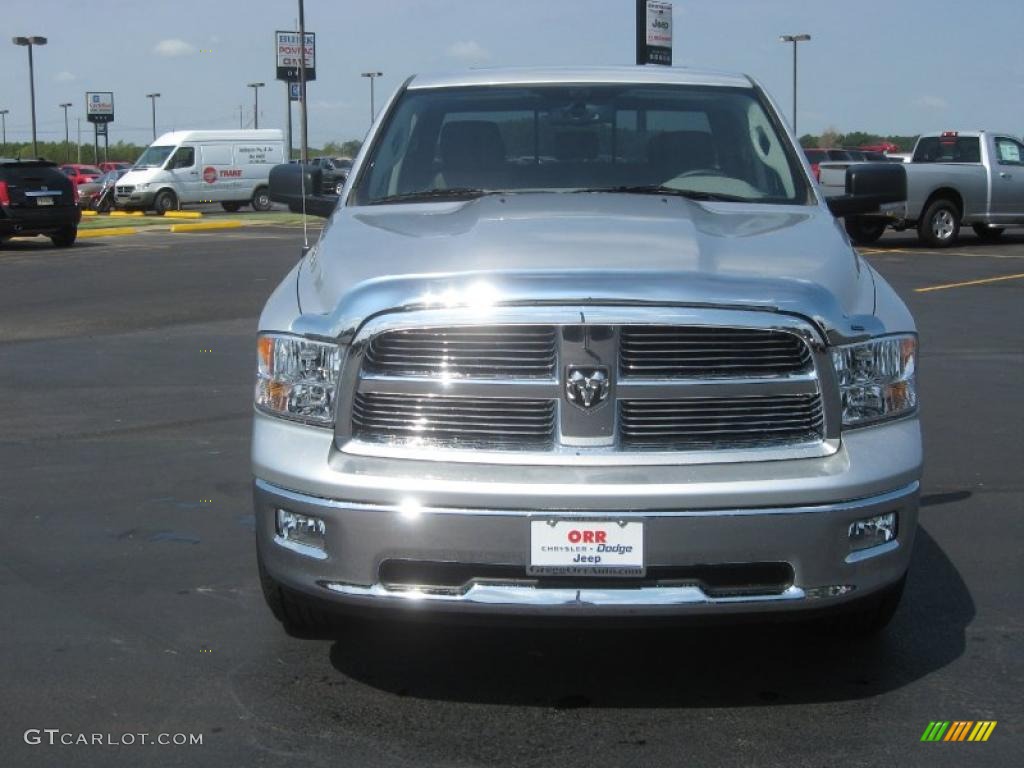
x: 183, y: 215
x: 126, y: 213
x: 205, y: 225
x: 107, y: 232
x: 88, y: 213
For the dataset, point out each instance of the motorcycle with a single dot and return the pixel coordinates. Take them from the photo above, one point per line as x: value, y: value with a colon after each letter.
x: 103, y: 201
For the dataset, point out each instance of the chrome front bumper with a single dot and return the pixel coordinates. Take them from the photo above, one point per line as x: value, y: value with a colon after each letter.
x: 812, y: 539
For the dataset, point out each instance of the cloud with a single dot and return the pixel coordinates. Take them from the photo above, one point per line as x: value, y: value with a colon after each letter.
x: 65, y: 77
x: 467, y: 50
x: 931, y: 102
x: 173, y: 47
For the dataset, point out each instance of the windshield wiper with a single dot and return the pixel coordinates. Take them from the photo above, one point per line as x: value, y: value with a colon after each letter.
x: 453, y: 193
x: 657, y: 189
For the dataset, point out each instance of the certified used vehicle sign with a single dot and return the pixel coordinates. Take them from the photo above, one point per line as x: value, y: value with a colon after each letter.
x: 586, y: 548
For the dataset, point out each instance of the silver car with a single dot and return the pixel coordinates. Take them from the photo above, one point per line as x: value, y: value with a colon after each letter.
x: 586, y: 343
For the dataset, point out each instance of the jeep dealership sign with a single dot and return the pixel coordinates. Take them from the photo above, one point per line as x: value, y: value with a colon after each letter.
x: 654, y: 32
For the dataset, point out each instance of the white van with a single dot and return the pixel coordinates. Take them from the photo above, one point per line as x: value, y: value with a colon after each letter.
x: 227, y: 167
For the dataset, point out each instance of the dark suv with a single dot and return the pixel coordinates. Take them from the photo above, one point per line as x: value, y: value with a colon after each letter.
x: 36, y: 198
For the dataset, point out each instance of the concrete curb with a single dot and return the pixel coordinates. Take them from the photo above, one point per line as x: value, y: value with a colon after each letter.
x: 106, y: 232
x: 200, y: 226
x: 183, y: 215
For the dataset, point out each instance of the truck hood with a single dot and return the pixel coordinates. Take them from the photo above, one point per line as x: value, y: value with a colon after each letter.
x: 583, y: 248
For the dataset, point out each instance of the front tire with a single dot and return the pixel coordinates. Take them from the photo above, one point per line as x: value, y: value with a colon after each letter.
x: 986, y: 233
x: 867, y: 616
x: 261, y: 200
x: 65, y: 238
x: 940, y: 225
x: 164, y: 201
x: 864, y: 231
x: 300, y: 616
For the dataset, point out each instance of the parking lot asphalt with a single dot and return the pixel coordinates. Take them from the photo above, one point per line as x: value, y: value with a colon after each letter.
x: 130, y: 602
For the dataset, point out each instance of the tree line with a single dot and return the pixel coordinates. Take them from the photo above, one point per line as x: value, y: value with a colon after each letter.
x: 830, y: 137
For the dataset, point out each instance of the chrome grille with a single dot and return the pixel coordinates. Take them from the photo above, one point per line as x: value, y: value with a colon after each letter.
x: 125, y: 189
x: 705, y: 351
x: 465, y: 351
x: 458, y: 421
x: 711, y: 391
x: 720, y: 421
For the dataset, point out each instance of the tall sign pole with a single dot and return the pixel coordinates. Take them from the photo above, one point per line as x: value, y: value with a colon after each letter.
x: 654, y: 32
x: 304, y: 154
x: 296, y: 66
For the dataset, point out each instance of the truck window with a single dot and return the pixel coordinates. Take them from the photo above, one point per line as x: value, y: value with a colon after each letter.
x: 184, y: 157
x: 569, y: 137
x: 1008, y: 151
x: 948, y: 149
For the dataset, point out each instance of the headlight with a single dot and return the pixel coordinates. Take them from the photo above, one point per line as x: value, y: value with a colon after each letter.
x: 297, y: 378
x: 877, y: 378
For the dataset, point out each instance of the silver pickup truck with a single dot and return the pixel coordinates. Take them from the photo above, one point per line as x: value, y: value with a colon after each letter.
x: 955, y: 178
x: 587, y: 343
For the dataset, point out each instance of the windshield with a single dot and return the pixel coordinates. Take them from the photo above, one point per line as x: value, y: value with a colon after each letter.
x: 153, y: 157
x: 713, y: 142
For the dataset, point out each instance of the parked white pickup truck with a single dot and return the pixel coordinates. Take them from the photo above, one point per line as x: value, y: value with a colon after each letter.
x: 955, y: 178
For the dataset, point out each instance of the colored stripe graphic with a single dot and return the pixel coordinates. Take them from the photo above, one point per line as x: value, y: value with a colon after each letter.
x: 958, y: 730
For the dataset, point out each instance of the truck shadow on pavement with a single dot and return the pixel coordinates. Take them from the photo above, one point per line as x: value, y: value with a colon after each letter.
x: 667, y: 666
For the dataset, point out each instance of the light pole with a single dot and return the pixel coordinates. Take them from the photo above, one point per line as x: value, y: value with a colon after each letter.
x: 373, y: 76
x: 152, y: 102
x: 31, y: 41
x: 3, y: 123
x: 794, y: 39
x: 256, y: 105
x: 67, y: 138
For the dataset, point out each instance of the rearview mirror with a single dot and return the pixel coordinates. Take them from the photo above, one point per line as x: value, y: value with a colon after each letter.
x: 868, y: 187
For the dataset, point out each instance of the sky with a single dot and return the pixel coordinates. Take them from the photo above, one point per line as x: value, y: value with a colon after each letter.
x: 895, y: 67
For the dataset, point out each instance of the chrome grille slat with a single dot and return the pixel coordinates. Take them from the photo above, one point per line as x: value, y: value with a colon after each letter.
x: 474, y: 421
x: 527, y: 351
x: 668, y: 424
x: 695, y: 351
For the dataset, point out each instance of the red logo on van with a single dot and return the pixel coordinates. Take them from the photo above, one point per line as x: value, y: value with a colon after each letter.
x: 209, y: 174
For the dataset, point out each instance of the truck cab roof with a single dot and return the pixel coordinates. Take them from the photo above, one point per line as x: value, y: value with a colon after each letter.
x: 562, y: 75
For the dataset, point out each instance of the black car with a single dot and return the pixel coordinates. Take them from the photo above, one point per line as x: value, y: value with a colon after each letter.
x: 333, y: 172
x: 36, y: 198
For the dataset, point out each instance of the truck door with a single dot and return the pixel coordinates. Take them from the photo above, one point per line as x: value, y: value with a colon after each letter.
x: 184, y: 173
x: 1008, y: 179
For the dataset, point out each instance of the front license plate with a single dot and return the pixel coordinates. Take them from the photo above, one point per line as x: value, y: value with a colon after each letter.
x: 44, y: 201
x: 586, y: 548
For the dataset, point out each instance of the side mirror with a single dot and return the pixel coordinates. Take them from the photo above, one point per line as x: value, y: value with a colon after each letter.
x: 868, y: 187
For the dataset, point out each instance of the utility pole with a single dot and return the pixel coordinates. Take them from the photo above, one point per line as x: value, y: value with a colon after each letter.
x: 67, y: 138
x: 304, y: 152
x: 256, y: 105
x: 152, y: 99
x: 30, y: 42
x: 3, y: 123
x: 372, y: 76
x: 794, y: 39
